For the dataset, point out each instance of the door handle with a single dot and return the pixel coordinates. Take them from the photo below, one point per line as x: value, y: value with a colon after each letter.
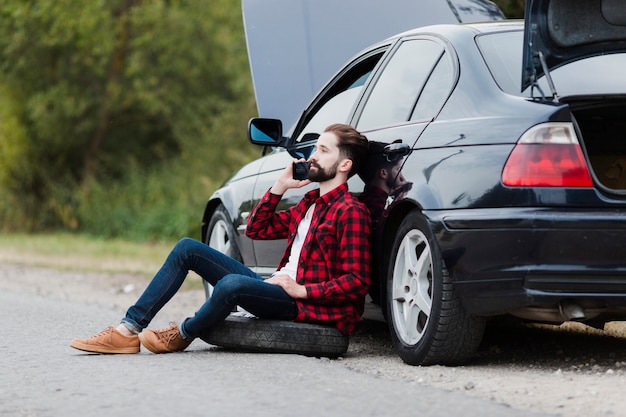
x: 396, y: 149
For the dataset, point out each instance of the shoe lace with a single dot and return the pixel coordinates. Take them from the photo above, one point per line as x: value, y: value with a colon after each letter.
x: 106, y: 331
x: 169, y: 334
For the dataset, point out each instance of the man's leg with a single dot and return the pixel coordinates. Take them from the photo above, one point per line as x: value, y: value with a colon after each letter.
x: 252, y: 293
x: 187, y: 255
x: 260, y: 298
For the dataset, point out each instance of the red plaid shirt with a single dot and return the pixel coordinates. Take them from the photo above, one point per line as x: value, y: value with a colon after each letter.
x: 334, y: 264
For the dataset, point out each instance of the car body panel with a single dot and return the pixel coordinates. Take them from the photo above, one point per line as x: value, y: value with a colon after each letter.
x: 543, y: 255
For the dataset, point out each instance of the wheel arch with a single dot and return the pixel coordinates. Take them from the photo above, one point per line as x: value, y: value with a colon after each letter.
x: 392, y: 222
x: 393, y: 219
x: 223, y: 197
x: 421, y: 197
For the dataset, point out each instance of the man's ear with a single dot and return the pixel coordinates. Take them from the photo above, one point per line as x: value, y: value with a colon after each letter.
x: 345, y: 165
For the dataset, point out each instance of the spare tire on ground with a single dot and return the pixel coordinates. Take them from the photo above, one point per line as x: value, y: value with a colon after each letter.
x: 276, y: 336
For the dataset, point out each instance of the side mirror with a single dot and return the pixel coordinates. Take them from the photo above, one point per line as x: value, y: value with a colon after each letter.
x: 265, y: 132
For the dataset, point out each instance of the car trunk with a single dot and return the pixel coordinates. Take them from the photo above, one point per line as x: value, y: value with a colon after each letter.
x: 563, y: 33
x: 602, y: 127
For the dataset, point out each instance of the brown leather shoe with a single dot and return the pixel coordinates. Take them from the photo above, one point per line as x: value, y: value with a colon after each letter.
x: 164, y: 340
x: 110, y: 340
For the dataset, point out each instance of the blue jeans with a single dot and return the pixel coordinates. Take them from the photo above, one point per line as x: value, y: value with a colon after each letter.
x: 234, y: 284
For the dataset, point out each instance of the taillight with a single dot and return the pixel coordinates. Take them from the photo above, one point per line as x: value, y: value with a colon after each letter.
x: 547, y: 155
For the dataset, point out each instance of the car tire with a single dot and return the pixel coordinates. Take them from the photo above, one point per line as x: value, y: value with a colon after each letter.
x: 277, y: 336
x: 221, y: 237
x: 427, y: 321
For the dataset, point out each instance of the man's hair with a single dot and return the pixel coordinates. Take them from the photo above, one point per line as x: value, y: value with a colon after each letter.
x: 352, y: 145
x: 375, y: 161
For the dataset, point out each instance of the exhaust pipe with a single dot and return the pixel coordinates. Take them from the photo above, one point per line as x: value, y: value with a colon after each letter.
x: 571, y: 311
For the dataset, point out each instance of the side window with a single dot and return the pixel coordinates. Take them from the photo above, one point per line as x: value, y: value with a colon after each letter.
x: 436, y: 91
x: 393, y: 98
x: 337, y: 101
x: 336, y: 110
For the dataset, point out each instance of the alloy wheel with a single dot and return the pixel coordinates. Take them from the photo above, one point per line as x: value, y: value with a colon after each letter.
x: 412, y: 287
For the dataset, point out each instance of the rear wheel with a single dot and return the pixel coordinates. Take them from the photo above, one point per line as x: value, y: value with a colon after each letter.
x: 428, y: 322
x: 221, y: 237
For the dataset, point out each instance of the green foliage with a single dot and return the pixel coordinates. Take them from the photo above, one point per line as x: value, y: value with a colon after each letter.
x: 512, y: 9
x: 139, y: 207
x: 110, y: 110
x: 165, y: 201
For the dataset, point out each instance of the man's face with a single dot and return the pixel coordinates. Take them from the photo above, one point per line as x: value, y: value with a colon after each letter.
x: 393, y: 176
x: 325, y: 159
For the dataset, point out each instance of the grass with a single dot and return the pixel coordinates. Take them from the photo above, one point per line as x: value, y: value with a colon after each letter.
x: 80, y: 252
x: 75, y: 252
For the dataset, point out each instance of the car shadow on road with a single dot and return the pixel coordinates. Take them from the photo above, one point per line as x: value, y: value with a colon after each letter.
x: 573, y: 347
x: 511, y: 342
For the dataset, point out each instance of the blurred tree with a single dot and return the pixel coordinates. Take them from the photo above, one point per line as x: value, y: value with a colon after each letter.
x: 512, y: 9
x: 88, y: 88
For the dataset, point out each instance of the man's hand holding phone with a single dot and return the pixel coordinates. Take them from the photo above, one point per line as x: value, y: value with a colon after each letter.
x: 300, y: 170
x: 288, y: 178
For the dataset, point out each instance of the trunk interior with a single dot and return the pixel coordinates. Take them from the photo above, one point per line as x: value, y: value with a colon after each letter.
x: 603, y: 129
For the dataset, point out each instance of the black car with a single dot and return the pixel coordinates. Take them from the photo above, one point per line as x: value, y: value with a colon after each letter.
x: 497, y: 178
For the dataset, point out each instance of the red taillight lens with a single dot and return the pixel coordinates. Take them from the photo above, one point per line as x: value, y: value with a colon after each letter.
x: 548, y: 155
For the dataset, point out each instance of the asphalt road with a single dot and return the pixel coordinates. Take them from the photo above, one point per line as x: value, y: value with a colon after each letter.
x: 40, y: 375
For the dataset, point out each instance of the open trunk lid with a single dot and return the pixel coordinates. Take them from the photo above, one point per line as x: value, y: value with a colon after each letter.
x: 562, y: 31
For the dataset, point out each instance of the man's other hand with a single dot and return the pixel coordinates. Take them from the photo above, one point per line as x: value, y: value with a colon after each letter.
x: 290, y: 286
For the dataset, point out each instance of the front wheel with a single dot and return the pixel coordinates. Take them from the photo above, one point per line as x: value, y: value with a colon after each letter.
x: 427, y: 321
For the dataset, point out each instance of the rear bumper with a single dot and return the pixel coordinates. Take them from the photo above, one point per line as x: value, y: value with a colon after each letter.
x: 503, y: 260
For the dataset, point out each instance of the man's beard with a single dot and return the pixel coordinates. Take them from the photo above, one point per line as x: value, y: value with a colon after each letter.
x: 320, y: 174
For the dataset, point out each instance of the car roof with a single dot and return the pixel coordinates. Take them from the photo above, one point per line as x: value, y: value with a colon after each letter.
x: 295, y: 46
x: 448, y: 29
x: 564, y: 31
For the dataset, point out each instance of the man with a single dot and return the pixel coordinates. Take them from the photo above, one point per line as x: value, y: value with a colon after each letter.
x: 322, y: 277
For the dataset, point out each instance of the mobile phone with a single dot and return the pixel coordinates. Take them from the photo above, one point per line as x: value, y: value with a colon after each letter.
x: 300, y: 171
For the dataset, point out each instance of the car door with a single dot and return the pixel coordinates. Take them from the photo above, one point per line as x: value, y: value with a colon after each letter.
x: 405, y: 96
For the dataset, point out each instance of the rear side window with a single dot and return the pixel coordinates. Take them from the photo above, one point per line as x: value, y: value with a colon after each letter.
x: 436, y: 91
x: 394, y: 98
x: 503, y: 54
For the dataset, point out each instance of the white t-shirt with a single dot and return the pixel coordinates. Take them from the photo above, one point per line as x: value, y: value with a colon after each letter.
x: 291, y: 266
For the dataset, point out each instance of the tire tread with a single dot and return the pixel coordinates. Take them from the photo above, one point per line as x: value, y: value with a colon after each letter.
x: 277, y: 336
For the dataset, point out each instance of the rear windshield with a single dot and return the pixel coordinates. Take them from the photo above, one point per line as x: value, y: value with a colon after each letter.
x: 589, y: 76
